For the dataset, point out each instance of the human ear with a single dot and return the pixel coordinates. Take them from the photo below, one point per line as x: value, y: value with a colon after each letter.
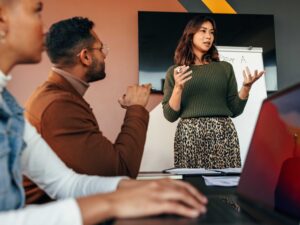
x: 85, y: 57
x: 3, y: 24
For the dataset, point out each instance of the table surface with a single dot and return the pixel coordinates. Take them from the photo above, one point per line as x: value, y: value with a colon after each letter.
x: 198, y: 182
x: 210, y: 191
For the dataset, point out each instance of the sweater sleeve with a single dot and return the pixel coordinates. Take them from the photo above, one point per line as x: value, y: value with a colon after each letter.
x: 75, y: 136
x: 170, y: 114
x: 235, y: 104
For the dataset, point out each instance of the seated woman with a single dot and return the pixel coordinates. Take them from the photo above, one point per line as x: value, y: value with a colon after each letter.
x: 22, y: 150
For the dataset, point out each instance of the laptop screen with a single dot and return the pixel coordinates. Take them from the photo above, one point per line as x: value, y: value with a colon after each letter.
x: 271, y: 173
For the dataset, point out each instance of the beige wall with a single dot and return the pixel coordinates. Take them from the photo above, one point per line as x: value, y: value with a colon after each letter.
x: 116, y: 25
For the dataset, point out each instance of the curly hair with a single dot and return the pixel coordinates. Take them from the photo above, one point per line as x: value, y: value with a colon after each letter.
x: 66, y: 38
x: 184, y: 54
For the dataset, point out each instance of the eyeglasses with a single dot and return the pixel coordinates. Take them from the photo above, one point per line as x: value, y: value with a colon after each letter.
x: 104, y: 49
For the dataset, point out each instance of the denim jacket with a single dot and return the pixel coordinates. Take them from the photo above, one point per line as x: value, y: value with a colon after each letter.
x: 11, y: 146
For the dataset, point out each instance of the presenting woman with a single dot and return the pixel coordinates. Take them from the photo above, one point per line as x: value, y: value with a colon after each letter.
x: 202, y: 91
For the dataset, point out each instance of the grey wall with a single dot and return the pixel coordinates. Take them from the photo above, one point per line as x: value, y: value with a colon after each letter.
x: 287, y: 31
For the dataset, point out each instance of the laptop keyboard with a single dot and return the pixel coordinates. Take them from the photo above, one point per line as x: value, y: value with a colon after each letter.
x: 224, y: 210
x: 230, y: 202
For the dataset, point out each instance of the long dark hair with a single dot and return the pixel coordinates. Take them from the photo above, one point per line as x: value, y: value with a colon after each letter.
x: 184, y: 54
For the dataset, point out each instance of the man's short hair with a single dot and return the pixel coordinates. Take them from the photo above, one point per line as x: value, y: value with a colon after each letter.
x: 67, y: 38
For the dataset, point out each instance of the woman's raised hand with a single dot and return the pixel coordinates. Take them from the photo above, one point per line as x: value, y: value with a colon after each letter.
x: 250, y: 79
x: 181, y: 76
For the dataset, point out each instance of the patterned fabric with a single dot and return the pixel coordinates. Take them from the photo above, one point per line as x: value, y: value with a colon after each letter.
x: 11, y: 145
x: 206, y: 142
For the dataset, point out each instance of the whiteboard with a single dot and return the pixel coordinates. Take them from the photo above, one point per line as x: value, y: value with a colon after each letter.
x: 240, y: 57
x: 159, y: 150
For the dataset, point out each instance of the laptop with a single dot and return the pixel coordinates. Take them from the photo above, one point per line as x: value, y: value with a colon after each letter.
x: 269, y: 186
x: 270, y: 177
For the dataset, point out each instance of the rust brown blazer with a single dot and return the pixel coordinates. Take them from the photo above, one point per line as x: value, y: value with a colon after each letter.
x: 66, y: 121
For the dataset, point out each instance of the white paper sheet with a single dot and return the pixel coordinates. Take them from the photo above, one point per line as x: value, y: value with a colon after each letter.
x: 229, y: 170
x: 186, y: 171
x: 202, y: 171
x: 224, y: 181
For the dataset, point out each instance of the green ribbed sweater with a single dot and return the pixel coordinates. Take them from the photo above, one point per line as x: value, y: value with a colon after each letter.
x: 212, y: 91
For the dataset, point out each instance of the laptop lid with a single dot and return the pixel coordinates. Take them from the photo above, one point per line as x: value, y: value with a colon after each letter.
x: 271, y: 173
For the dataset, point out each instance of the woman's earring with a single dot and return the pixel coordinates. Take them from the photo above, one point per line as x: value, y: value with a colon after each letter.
x: 2, y: 36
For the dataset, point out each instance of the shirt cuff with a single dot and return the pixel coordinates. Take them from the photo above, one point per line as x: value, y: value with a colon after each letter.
x: 116, y: 182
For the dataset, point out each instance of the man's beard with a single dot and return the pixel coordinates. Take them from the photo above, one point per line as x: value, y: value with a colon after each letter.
x: 96, y: 71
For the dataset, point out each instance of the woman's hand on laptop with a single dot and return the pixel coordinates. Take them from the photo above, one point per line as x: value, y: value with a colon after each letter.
x: 161, y: 196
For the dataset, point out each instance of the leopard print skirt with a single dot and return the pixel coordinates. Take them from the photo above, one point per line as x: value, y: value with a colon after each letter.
x: 206, y: 142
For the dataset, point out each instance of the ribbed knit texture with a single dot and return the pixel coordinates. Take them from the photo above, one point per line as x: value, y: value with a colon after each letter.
x: 212, y: 91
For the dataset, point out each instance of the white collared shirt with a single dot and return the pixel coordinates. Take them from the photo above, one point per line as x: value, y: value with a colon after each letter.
x: 79, y: 85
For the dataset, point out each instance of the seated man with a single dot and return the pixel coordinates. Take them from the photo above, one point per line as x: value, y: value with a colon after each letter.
x: 22, y: 150
x: 65, y: 120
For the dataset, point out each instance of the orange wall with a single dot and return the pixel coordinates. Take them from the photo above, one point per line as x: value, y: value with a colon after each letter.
x: 116, y: 24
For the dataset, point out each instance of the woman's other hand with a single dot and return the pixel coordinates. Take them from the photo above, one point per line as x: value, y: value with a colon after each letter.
x: 181, y: 76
